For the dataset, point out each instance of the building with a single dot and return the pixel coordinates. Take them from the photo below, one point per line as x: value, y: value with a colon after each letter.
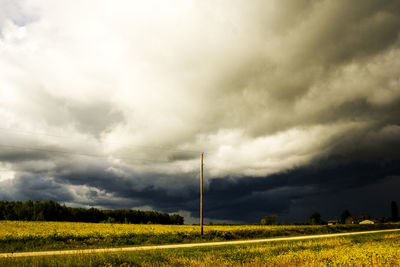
x: 333, y: 222
x: 367, y: 222
x: 356, y: 219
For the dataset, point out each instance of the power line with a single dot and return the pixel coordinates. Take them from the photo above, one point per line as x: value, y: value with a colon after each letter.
x: 79, y: 154
x: 30, y: 133
x: 127, y: 146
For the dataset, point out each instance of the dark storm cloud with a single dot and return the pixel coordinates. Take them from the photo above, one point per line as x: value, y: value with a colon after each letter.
x: 350, y: 31
x: 30, y: 186
x: 11, y: 154
x: 312, y: 54
x: 230, y: 199
x: 252, y: 198
x: 91, y: 186
x: 294, y: 103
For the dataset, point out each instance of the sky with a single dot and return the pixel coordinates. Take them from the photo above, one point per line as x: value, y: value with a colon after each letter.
x: 295, y: 105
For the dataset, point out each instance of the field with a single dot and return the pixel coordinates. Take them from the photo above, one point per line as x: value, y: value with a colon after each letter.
x: 16, y: 236
x: 364, y: 250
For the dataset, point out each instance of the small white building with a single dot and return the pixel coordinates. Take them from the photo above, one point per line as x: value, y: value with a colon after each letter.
x: 367, y: 222
x: 333, y: 222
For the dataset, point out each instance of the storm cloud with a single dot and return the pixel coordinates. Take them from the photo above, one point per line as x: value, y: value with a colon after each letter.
x: 295, y: 103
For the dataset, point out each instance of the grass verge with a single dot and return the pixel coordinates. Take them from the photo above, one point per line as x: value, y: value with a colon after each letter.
x: 17, y: 236
x: 364, y: 250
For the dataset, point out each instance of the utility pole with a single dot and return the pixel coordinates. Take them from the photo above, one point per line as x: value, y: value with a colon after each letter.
x: 201, y: 194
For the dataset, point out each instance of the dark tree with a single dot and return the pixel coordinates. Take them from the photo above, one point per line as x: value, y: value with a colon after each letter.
x: 53, y: 211
x: 395, y: 211
x: 315, y: 218
x: 176, y: 219
x: 345, y: 214
x: 268, y: 220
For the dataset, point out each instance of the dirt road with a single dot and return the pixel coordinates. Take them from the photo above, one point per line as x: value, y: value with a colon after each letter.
x: 192, y: 245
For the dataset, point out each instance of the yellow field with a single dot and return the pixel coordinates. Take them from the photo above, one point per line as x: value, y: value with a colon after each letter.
x: 24, y: 229
x: 19, y: 236
x: 367, y: 250
x: 374, y: 250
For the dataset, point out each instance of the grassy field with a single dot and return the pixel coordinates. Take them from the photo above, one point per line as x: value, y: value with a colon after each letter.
x: 364, y: 250
x: 18, y: 236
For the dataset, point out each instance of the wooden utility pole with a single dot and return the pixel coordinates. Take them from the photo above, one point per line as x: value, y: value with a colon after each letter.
x: 201, y: 195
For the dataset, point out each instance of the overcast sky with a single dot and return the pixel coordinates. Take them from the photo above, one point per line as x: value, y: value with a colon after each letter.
x: 296, y: 105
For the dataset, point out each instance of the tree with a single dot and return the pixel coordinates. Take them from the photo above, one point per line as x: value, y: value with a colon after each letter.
x: 395, y: 211
x: 177, y: 219
x: 315, y: 218
x: 53, y: 211
x: 345, y: 214
x: 268, y: 220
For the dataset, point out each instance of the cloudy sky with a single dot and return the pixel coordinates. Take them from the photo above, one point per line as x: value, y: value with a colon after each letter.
x: 295, y: 104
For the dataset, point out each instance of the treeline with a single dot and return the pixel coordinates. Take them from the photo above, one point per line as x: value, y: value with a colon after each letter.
x: 53, y: 211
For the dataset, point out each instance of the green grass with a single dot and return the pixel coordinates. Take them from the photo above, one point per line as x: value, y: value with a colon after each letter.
x: 364, y: 250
